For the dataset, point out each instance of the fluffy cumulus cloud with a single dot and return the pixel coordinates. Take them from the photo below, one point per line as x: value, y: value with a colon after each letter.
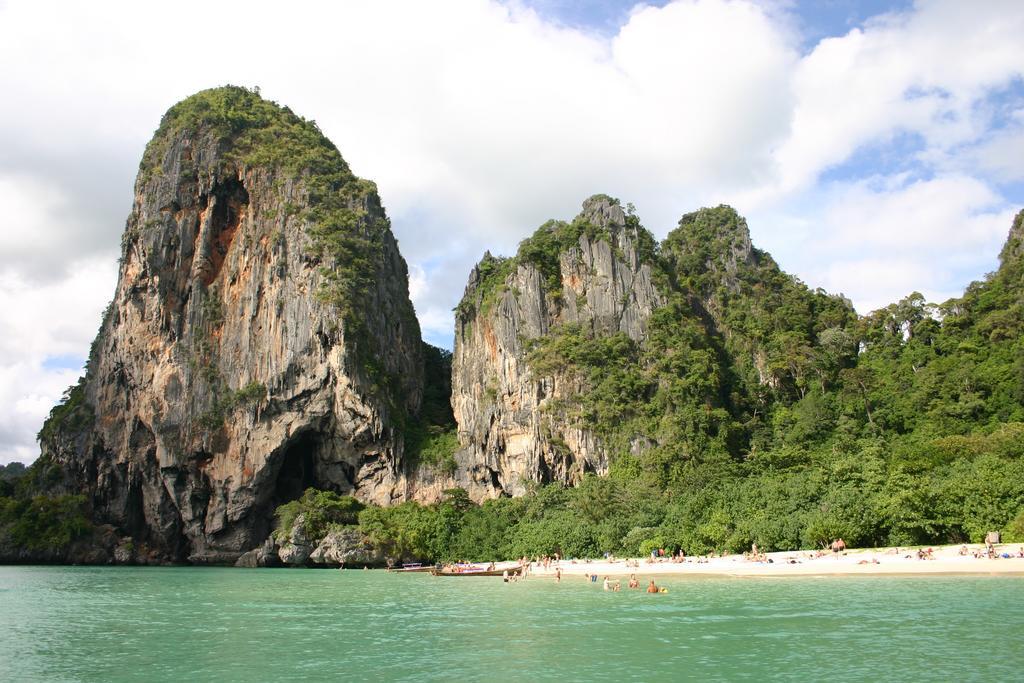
x: 481, y: 119
x: 1000, y: 153
x: 928, y: 71
x: 882, y: 238
x: 45, y: 332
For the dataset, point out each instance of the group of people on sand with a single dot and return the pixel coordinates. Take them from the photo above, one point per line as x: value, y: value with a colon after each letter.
x: 662, y: 555
x: 990, y: 552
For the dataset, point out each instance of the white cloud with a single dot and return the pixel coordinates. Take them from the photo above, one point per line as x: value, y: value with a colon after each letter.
x: 1002, y: 153
x: 925, y: 72
x: 480, y: 120
x: 878, y: 239
x: 953, y: 215
x: 871, y: 281
x: 32, y: 209
x: 41, y: 322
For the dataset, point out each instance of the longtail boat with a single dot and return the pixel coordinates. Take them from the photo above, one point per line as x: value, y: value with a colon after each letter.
x: 414, y: 567
x: 476, y: 571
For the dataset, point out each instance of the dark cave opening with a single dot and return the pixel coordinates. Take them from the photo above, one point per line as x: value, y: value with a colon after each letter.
x: 295, y: 473
x: 543, y: 471
x: 298, y: 469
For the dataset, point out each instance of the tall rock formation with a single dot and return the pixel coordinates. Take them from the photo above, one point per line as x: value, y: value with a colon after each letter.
x: 593, y: 344
x: 594, y: 273
x: 260, y: 340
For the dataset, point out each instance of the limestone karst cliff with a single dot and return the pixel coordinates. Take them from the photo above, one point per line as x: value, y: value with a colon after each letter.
x: 594, y: 342
x: 595, y: 273
x: 261, y: 339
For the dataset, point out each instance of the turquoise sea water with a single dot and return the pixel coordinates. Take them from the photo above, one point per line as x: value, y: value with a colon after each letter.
x: 192, y: 624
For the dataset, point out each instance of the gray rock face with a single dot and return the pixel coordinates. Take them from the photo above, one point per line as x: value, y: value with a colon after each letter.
x: 264, y: 556
x: 506, y: 430
x: 221, y: 383
x: 124, y: 553
x: 295, y: 550
x: 346, y: 547
x: 1013, y: 250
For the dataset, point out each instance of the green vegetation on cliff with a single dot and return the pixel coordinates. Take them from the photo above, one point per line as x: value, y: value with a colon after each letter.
x: 251, y: 393
x: 72, y: 413
x: 47, y: 523
x: 758, y: 410
x: 346, y: 226
x: 253, y: 131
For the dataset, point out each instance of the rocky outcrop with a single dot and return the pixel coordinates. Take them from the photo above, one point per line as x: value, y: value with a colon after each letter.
x: 595, y: 272
x: 260, y: 341
x: 263, y: 556
x: 340, y: 545
x: 346, y: 546
x: 1013, y: 250
x: 297, y: 546
x: 520, y: 387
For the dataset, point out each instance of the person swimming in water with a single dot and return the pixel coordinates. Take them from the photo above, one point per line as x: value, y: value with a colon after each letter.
x: 651, y: 588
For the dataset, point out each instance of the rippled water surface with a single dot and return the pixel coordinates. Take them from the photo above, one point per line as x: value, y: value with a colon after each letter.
x: 188, y: 624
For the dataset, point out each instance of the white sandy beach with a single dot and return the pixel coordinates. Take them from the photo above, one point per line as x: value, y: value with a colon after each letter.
x: 857, y: 562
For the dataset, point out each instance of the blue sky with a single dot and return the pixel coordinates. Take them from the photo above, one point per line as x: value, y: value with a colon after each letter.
x: 815, y: 20
x: 874, y: 147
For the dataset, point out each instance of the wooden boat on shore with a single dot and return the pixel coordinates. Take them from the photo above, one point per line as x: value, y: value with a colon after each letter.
x: 476, y: 571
